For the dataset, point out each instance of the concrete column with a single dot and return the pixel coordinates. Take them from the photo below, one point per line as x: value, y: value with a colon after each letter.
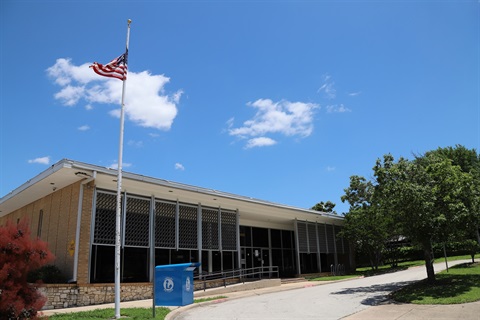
x: 319, y: 259
x: 297, y: 247
x: 199, y: 235
x: 152, y: 238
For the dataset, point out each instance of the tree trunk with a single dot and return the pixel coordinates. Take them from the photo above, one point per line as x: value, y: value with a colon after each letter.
x: 428, y: 255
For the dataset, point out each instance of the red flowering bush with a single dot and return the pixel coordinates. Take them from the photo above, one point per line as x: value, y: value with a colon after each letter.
x: 20, y: 254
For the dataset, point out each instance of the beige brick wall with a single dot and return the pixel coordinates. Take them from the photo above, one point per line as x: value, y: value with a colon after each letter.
x: 84, y: 243
x: 58, y: 224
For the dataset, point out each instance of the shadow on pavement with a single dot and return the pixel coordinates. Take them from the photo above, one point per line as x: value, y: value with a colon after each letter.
x: 382, y: 290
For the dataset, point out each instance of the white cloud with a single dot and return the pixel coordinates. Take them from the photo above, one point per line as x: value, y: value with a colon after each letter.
x: 328, y: 87
x: 354, y: 94
x: 337, y: 108
x: 283, y: 117
x: 70, y: 95
x: 146, y: 102
x: 230, y: 122
x: 179, y: 166
x: 42, y: 160
x: 115, y: 165
x: 260, y: 142
x: 84, y: 128
x: 330, y: 169
x: 64, y: 73
x: 136, y: 144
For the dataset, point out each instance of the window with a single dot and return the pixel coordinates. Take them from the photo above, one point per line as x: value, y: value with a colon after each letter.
x: 276, y: 238
x: 40, y: 221
x: 260, y: 237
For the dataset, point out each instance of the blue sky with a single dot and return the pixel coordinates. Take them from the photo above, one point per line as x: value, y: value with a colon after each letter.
x: 277, y: 100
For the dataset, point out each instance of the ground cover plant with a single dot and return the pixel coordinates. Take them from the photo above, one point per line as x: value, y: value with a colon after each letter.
x: 461, y: 284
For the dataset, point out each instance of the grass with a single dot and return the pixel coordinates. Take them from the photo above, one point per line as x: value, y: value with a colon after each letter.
x: 102, y: 314
x: 333, y: 278
x: 460, y: 285
x: 127, y: 313
x: 367, y: 271
x: 208, y: 299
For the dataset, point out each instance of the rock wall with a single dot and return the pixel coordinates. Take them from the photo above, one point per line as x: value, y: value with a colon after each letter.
x: 72, y: 295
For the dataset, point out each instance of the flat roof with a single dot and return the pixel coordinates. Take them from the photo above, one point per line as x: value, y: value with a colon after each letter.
x: 65, y: 172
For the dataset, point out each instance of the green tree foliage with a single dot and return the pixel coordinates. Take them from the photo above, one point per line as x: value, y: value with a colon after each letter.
x: 469, y: 162
x: 365, y: 225
x: 432, y: 199
x: 425, y: 198
x: 324, y: 207
x: 19, y: 254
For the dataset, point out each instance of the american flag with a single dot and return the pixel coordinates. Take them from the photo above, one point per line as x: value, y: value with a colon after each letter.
x: 117, y: 68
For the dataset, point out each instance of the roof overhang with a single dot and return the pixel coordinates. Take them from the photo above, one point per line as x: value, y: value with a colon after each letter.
x: 66, y: 172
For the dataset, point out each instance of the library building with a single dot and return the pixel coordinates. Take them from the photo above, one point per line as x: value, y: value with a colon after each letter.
x: 72, y: 206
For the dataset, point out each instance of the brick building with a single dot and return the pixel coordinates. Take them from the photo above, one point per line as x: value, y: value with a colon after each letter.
x: 72, y: 206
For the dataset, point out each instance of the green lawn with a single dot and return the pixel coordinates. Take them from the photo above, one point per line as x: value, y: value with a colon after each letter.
x: 102, y: 314
x: 333, y: 278
x: 460, y: 284
x: 128, y: 313
x: 208, y: 299
x: 367, y: 271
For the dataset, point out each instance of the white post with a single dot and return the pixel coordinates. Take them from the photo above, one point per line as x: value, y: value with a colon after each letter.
x: 119, y: 192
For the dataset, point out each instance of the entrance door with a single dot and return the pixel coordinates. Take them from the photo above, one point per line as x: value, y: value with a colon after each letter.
x: 266, y: 263
x: 261, y: 261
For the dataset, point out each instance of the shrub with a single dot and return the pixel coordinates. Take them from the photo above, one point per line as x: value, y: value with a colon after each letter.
x: 19, y: 254
x: 46, y: 274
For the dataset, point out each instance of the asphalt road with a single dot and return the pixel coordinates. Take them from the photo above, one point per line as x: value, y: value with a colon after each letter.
x: 330, y: 301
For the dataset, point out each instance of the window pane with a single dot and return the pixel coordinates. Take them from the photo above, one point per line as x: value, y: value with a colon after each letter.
x: 276, y: 238
x: 287, y: 239
x: 260, y: 237
x: 245, y: 236
x: 135, y: 265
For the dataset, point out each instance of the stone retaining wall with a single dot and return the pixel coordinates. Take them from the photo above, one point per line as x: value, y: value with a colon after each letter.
x: 71, y: 295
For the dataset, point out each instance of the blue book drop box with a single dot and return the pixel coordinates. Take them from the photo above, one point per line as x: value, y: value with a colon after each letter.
x: 174, y: 284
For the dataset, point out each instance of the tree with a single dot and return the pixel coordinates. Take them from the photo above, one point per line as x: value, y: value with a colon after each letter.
x: 19, y: 255
x: 365, y: 225
x: 469, y: 162
x: 424, y: 197
x: 324, y: 207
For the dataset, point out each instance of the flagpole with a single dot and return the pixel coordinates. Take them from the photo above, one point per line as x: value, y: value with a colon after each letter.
x: 119, y: 192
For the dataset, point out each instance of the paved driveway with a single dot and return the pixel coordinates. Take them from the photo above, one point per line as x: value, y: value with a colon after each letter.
x: 330, y: 301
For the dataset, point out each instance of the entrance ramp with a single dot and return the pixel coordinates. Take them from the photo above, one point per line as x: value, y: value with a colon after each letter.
x: 250, y: 285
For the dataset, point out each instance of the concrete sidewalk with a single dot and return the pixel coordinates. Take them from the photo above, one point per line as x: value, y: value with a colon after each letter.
x: 230, y: 292
x: 395, y: 311
x: 388, y: 310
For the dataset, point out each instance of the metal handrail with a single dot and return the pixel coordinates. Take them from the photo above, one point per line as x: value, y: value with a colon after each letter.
x: 240, y: 274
